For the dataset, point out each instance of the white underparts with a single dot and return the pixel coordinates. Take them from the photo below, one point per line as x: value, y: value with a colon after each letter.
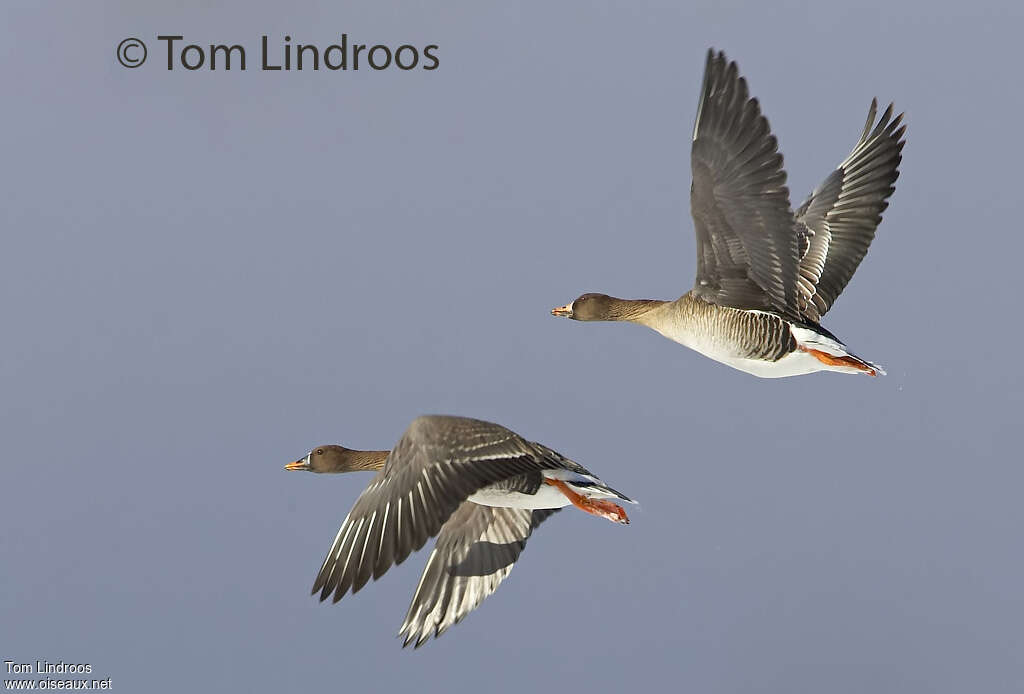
x: 546, y: 497
x: 795, y: 363
x: 798, y: 362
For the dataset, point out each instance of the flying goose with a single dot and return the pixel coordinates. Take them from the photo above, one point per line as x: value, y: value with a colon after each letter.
x: 765, y: 275
x: 479, y: 487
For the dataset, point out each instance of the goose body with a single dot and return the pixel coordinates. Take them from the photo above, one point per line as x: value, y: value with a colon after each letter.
x: 479, y: 487
x: 765, y: 274
x: 761, y: 343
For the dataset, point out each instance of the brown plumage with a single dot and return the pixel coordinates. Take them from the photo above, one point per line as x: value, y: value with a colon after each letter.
x: 765, y: 275
x: 478, y: 486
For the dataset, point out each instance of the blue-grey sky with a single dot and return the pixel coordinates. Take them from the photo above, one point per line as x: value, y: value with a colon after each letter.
x: 206, y: 273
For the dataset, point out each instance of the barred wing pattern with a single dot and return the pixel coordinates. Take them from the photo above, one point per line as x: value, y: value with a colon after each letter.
x: 844, y: 211
x: 474, y: 553
x: 747, y: 246
x: 435, y: 466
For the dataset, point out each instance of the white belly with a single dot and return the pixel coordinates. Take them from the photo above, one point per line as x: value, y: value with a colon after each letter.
x: 546, y: 497
x: 793, y: 364
x: 796, y: 363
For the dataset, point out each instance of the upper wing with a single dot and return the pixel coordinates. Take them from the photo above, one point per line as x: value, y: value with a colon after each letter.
x: 844, y: 211
x: 747, y: 243
x: 435, y: 466
x: 474, y: 553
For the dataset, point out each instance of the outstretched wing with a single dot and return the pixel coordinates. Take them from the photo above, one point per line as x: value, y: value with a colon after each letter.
x: 747, y: 243
x: 844, y: 211
x: 474, y: 553
x: 436, y: 465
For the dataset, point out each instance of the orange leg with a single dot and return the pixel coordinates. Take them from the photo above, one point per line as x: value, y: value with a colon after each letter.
x: 597, y: 507
x: 826, y: 358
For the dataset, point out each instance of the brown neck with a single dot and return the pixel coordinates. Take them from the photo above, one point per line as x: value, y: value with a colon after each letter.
x: 366, y: 460
x: 630, y: 309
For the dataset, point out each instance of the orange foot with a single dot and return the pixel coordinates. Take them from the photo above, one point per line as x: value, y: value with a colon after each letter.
x: 831, y: 360
x: 597, y: 507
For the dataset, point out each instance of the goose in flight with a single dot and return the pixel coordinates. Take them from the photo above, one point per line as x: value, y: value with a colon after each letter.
x: 765, y: 274
x: 479, y: 487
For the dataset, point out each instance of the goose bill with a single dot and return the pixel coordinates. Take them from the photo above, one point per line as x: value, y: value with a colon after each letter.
x: 302, y: 464
x: 565, y: 311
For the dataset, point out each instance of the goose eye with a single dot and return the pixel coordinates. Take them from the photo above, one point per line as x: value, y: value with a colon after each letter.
x: 320, y: 451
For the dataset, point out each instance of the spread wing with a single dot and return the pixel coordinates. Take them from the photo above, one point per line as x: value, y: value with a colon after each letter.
x: 844, y: 211
x: 474, y: 553
x: 748, y: 245
x: 435, y: 466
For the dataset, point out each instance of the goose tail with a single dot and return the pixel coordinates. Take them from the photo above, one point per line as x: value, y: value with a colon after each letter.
x: 832, y: 353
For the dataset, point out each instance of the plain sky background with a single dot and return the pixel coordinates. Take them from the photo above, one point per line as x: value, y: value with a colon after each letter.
x: 205, y: 274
